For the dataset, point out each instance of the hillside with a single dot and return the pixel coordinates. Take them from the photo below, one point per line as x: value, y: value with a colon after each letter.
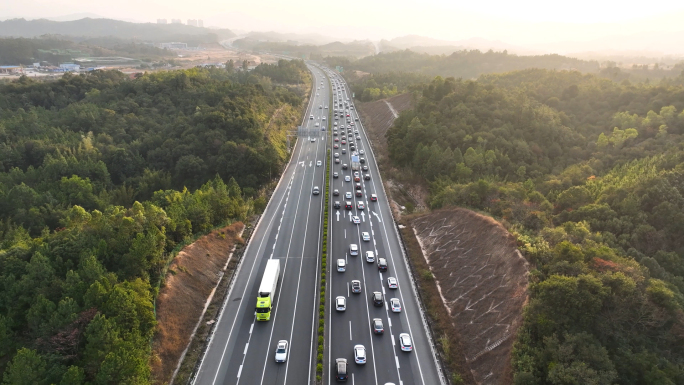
x: 482, y: 280
x: 102, y: 178
x: 466, y: 64
x: 89, y: 28
x: 587, y: 175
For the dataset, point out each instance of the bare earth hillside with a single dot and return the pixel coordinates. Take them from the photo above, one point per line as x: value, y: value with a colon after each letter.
x: 378, y: 117
x: 482, y: 279
x: 190, y: 280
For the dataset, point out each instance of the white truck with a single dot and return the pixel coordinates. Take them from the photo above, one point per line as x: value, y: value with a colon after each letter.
x: 355, y: 162
x: 267, y: 289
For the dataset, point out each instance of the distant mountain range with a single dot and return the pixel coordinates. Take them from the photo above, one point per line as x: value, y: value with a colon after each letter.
x: 89, y: 28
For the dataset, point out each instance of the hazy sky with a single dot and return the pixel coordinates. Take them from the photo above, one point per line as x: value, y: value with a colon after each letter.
x: 516, y: 22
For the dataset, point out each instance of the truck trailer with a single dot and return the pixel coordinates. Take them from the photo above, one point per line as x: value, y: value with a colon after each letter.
x: 267, y: 289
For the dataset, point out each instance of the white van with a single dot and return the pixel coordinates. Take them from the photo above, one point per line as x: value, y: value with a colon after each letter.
x: 353, y: 249
x: 341, y: 265
x: 370, y: 257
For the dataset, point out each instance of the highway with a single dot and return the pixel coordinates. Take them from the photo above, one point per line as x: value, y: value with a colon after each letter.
x: 386, y: 362
x: 241, y: 350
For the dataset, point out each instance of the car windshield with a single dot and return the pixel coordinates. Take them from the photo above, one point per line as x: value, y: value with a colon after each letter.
x: 281, y: 349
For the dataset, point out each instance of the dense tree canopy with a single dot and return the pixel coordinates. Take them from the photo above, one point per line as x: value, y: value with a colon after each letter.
x: 589, y: 174
x: 101, y: 177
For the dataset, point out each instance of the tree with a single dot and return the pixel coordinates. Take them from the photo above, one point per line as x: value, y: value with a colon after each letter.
x: 26, y: 368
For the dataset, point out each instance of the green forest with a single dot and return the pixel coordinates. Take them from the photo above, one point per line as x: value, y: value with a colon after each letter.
x: 57, y: 50
x: 102, y: 178
x: 404, y: 68
x: 589, y: 175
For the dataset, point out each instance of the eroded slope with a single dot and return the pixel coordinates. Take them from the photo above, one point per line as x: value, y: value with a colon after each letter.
x: 482, y: 278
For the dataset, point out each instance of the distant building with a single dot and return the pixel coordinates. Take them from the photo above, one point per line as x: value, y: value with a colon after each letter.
x: 70, y: 67
x: 174, y: 45
x: 9, y: 69
x: 200, y: 23
x: 176, y: 21
x: 192, y: 22
x: 161, y: 21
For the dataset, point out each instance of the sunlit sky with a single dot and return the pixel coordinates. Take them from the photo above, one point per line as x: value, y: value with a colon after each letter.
x: 515, y: 22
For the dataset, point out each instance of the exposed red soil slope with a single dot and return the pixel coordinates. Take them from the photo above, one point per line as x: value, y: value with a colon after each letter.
x: 482, y: 279
x: 192, y: 276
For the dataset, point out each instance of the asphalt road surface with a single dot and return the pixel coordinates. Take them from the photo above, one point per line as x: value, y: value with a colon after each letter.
x: 386, y: 362
x: 242, y: 350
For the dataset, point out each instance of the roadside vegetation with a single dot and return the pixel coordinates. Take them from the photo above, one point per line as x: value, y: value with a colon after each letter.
x: 588, y: 175
x: 101, y: 179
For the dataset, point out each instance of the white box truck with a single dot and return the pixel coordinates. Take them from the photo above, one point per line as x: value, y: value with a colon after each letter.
x: 267, y: 289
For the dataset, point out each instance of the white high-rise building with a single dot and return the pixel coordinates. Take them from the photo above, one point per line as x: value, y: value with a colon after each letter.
x: 161, y: 21
x: 192, y: 22
x: 200, y: 23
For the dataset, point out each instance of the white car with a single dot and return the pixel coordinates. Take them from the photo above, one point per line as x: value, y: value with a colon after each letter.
x: 395, y: 305
x: 361, y: 152
x: 340, y: 303
x: 347, y: 178
x: 348, y: 195
x: 405, y: 342
x: 313, y: 140
x: 318, y: 163
x: 281, y: 351
x: 356, y: 220
x: 337, y: 155
x: 392, y: 283
x: 353, y: 249
x: 341, y: 265
x: 360, y: 354
x: 365, y: 236
x: 370, y: 257
x: 318, y: 124
x: 360, y: 205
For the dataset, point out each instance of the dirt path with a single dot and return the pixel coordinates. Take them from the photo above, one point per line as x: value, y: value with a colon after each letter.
x: 190, y: 282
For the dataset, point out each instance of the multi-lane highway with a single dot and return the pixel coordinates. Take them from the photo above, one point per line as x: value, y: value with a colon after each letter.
x: 386, y: 363
x: 241, y: 350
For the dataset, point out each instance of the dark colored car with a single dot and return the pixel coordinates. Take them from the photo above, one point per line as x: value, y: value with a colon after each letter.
x: 337, y: 205
x: 341, y: 369
x: 359, y: 193
x: 348, y: 205
x: 366, y: 177
x: 382, y: 264
x: 358, y: 186
x: 344, y: 166
x: 376, y: 297
x: 362, y: 160
x: 377, y: 326
x: 336, y: 192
